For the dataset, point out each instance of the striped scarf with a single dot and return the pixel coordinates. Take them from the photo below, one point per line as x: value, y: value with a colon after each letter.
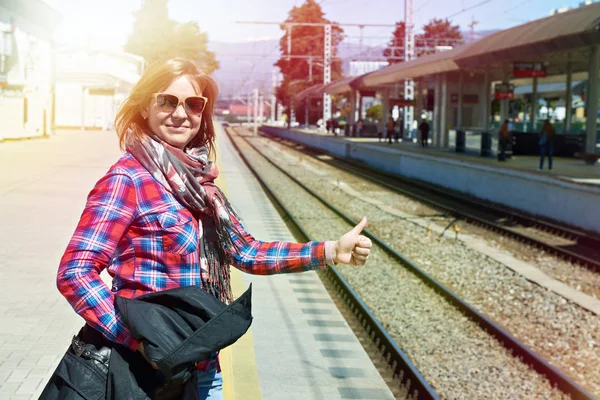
x: 190, y: 176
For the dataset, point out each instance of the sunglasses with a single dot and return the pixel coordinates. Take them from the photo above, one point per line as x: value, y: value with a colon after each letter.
x: 168, y: 103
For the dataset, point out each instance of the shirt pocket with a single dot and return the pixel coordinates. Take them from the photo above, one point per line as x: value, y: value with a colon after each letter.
x: 178, y: 232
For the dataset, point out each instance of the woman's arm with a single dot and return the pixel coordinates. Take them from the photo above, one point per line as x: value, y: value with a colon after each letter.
x: 264, y: 258
x: 109, y: 210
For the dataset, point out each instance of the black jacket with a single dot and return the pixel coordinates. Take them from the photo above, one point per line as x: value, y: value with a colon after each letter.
x: 177, y: 327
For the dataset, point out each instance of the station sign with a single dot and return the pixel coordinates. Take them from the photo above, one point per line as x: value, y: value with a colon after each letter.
x: 467, y: 98
x: 530, y: 69
x: 504, y: 91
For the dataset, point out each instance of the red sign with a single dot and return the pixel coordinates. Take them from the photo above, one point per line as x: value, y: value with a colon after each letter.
x: 504, y: 91
x: 530, y: 69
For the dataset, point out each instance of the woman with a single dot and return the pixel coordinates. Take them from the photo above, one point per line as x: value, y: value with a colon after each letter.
x: 157, y: 221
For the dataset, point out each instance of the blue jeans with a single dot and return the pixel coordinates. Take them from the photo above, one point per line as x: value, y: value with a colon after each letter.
x: 546, y: 149
x: 210, y: 384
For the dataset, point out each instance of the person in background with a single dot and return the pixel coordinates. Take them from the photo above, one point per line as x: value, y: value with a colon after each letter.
x: 400, y: 133
x: 424, y: 130
x: 546, y: 142
x: 503, y: 137
x: 390, y: 129
x: 360, y: 126
x: 157, y: 221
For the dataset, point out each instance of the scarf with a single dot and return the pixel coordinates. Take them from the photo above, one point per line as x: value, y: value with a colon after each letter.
x: 190, y: 176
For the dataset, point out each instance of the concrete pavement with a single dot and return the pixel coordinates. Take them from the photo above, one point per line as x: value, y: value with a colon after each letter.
x: 43, y: 187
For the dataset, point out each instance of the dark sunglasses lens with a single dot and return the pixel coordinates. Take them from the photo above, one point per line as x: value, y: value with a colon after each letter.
x: 195, y: 104
x: 167, y: 102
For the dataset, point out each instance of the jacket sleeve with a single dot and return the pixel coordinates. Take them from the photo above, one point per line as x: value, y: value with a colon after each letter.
x: 109, y: 210
x: 267, y: 258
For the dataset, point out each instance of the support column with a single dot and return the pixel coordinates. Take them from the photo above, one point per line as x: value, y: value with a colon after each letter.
x: 591, y: 101
x: 419, y: 100
x: 534, y: 101
x: 306, y: 103
x: 460, y: 101
x: 485, y: 112
x: 351, y: 113
x: 443, y: 112
x: 436, y: 111
x: 568, y: 98
x: 504, y: 102
x: 356, y: 106
x: 360, y: 106
x: 385, y: 109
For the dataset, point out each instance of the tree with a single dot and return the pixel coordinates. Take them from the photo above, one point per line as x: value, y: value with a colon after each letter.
x: 375, y: 112
x: 438, y: 32
x: 156, y: 37
x: 394, y: 51
x: 306, y: 41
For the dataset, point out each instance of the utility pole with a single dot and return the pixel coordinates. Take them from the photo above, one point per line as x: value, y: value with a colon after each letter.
x: 472, y: 26
x: 327, y: 54
x: 255, y: 112
x: 409, y: 54
x: 273, y: 96
x: 327, y: 75
x: 261, y: 109
x: 248, y: 105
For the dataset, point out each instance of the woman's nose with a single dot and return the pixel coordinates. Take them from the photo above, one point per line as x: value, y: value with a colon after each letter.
x: 179, y: 111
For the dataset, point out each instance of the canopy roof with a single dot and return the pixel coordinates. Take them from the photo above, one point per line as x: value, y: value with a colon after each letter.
x: 343, y: 85
x: 312, y: 91
x: 566, y: 31
x: 427, y: 65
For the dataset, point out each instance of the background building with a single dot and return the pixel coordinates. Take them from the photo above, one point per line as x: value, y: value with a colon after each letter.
x: 91, y: 84
x: 26, y: 68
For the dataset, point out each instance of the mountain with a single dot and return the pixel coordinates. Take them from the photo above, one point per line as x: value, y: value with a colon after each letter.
x: 248, y: 65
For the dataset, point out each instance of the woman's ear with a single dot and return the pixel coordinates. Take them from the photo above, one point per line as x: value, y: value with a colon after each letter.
x: 144, y: 113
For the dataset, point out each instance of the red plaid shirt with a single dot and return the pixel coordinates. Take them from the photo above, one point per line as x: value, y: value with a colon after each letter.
x: 147, y: 241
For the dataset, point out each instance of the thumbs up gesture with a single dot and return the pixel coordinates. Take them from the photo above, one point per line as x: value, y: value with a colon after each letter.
x: 353, y: 248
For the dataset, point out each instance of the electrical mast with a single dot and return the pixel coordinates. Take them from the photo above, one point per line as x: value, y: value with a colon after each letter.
x: 409, y: 54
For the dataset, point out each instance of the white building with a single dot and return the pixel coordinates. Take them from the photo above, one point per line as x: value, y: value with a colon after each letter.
x: 91, y: 84
x: 26, y: 76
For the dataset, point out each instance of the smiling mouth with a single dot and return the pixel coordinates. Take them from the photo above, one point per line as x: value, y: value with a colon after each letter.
x: 177, y: 126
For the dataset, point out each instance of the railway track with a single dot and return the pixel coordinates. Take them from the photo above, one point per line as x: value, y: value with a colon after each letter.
x: 398, y: 360
x: 568, y: 243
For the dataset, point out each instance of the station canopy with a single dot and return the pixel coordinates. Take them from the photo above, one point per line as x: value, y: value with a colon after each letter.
x: 535, y: 40
x: 430, y: 64
x: 310, y: 92
x: 343, y: 85
x: 557, y: 40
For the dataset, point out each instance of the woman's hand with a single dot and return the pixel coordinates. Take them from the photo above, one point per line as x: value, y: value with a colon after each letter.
x: 140, y: 349
x: 353, y: 248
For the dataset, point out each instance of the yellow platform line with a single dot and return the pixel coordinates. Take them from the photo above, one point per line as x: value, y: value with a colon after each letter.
x: 238, y: 361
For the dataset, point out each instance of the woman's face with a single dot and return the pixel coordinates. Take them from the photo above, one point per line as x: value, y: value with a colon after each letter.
x: 181, y: 125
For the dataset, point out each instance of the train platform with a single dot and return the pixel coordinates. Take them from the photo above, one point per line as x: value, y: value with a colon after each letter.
x: 567, y: 168
x: 299, y: 346
x: 569, y: 194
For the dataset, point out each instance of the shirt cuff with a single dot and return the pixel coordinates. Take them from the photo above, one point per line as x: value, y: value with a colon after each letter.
x: 329, y: 246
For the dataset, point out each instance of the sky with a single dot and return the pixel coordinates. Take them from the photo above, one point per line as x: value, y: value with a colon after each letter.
x: 108, y: 23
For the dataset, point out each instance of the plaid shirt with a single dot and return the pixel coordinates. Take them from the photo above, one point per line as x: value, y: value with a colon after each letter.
x: 138, y: 231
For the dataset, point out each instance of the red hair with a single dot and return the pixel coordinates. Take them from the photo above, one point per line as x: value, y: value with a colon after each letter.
x: 156, y: 79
